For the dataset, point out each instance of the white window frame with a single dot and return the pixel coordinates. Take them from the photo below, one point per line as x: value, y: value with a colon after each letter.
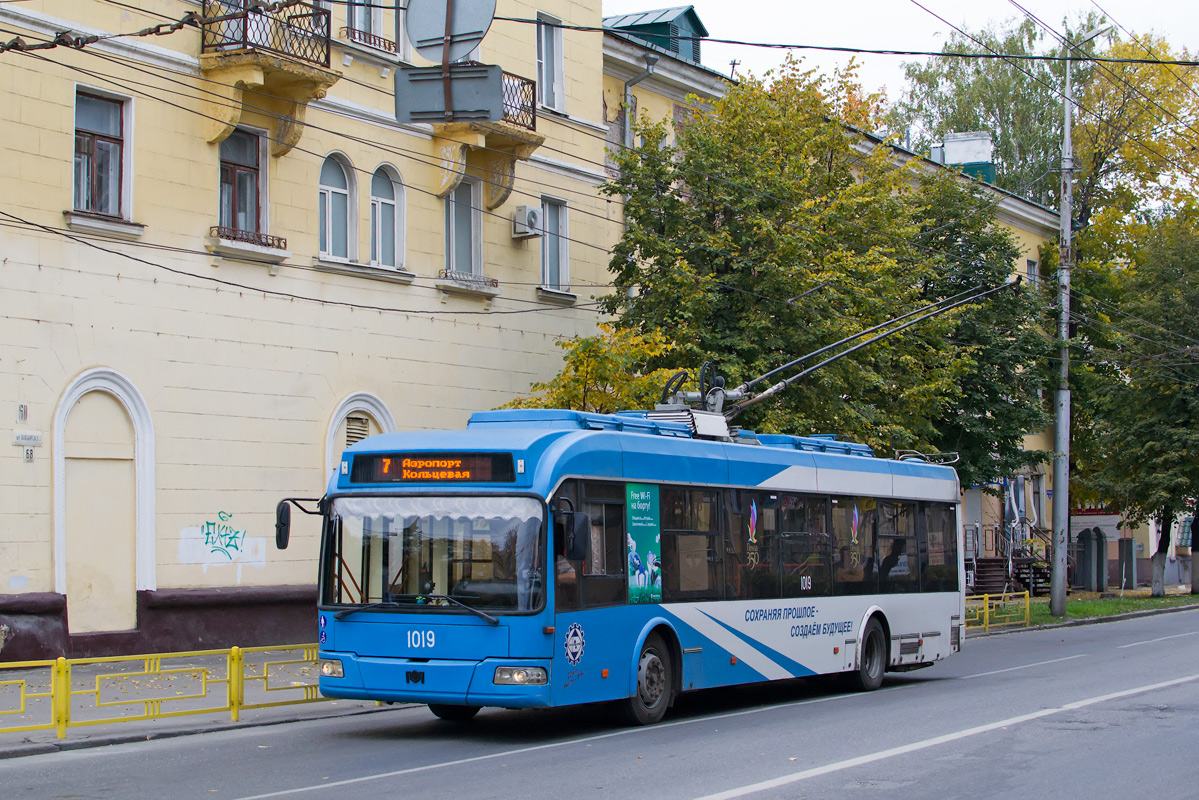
x: 325, y: 197
x: 550, y: 93
x: 562, y: 234
x: 476, y: 227
x: 398, y: 209
x: 1032, y: 272
x: 403, y: 46
x: 365, y: 16
x: 125, y: 212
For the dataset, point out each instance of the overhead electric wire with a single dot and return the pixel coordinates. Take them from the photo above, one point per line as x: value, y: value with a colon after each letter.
x: 1053, y: 89
x: 119, y: 81
x: 834, y: 49
x: 275, y: 292
x: 126, y: 84
x: 1077, y: 47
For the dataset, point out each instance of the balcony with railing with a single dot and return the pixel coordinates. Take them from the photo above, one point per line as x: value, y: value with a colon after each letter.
x: 299, y: 32
x: 520, y: 101
x: 352, y: 34
x: 498, y: 144
x: 280, y: 55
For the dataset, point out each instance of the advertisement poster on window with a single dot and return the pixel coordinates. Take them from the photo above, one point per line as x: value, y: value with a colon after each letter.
x: 645, y: 543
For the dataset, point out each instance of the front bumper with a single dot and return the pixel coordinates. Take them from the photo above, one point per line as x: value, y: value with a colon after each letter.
x: 406, y: 680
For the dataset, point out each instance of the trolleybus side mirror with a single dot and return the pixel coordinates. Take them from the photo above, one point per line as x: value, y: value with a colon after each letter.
x: 578, y: 536
x: 282, y: 524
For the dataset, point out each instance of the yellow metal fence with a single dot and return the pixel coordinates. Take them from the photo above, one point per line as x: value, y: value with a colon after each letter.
x: 64, y: 693
x: 988, y: 611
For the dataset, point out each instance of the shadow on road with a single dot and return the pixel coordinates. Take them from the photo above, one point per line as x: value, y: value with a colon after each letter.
x: 517, y: 728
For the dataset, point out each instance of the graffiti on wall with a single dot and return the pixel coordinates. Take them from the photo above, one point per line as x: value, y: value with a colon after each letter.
x: 222, y: 537
x: 221, y: 541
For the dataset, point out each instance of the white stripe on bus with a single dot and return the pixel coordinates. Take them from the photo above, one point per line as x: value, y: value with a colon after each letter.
x: 722, y: 636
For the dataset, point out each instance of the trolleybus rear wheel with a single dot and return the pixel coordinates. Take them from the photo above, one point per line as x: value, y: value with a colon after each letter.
x: 655, y: 680
x: 453, y: 713
x: 873, y: 661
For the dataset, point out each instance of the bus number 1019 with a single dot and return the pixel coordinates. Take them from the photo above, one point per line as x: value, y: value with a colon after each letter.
x: 420, y: 638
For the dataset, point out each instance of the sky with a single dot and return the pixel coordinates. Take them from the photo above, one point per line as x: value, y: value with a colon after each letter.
x: 895, y: 24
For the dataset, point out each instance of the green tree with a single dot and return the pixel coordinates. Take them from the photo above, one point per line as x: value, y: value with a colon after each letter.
x: 1137, y: 142
x: 1018, y: 101
x: 604, y: 373
x: 766, y: 230
x: 1148, y: 425
x: 1003, y: 344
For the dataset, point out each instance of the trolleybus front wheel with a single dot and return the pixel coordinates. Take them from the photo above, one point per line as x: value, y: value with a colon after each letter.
x: 654, y: 684
x: 873, y: 661
x: 453, y: 713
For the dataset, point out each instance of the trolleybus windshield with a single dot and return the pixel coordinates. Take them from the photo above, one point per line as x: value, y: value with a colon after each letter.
x: 413, y: 553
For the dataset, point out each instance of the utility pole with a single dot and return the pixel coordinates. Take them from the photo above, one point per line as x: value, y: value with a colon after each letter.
x: 1061, y: 427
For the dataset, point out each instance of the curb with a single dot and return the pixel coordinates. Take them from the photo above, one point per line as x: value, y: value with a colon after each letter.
x: 103, y: 740
x: 1072, y: 623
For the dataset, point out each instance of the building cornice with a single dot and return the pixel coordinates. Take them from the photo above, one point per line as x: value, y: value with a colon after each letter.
x: 673, y: 77
x: 40, y: 24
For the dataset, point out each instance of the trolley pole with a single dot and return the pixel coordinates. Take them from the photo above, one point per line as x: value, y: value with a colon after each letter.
x: 1061, y: 428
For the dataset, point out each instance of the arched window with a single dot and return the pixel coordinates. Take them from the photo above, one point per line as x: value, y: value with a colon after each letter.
x: 387, y: 220
x: 335, y: 210
x: 359, y: 415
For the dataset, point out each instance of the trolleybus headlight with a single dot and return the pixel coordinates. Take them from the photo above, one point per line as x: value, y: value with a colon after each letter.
x: 520, y: 676
x: 331, y: 668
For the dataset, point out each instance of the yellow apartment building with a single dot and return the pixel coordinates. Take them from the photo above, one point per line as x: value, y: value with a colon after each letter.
x: 224, y: 259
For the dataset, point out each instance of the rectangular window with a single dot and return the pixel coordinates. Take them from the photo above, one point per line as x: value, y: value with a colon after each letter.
x: 936, y: 527
x: 549, y: 62
x: 239, y: 182
x: 601, y: 579
x: 1032, y: 272
x: 463, y: 251
x: 855, y: 568
x: 362, y: 17
x: 899, y: 564
x: 554, y: 265
x: 691, y: 565
x: 99, y: 151
x: 805, y: 548
x: 752, y: 548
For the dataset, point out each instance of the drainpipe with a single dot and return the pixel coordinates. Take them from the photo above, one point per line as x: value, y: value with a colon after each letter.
x: 650, y: 60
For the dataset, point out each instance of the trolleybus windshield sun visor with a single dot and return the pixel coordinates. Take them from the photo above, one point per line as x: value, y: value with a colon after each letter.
x: 483, y: 552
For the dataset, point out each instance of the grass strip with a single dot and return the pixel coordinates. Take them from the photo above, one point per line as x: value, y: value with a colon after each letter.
x: 1093, y: 607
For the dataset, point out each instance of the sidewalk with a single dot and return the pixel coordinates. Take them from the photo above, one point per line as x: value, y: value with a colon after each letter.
x: 164, y: 695
x: 15, y: 745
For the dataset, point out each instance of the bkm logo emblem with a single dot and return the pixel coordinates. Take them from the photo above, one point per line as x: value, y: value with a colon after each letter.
x: 414, y: 676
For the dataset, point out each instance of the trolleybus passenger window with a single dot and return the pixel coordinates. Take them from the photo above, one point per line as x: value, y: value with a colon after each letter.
x: 753, y: 548
x: 855, y: 567
x: 691, y: 565
x: 899, y: 564
x: 937, y: 530
x: 605, y: 579
x: 805, y: 549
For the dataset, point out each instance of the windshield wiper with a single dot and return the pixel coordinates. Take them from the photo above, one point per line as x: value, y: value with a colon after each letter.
x: 478, y: 613
x: 418, y: 597
x: 345, y: 612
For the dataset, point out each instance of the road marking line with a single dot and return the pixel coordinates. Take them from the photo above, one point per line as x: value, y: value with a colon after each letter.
x: 551, y: 745
x: 1025, y: 666
x: 1151, y: 641
x: 936, y: 740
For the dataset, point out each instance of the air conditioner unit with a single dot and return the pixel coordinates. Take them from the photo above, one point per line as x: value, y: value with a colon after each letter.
x: 526, y: 222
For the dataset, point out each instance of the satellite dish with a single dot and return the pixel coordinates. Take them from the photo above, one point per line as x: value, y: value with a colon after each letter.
x: 467, y: 22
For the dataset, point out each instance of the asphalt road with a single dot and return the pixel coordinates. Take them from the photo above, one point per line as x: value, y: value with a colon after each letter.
x: 1108, y: 710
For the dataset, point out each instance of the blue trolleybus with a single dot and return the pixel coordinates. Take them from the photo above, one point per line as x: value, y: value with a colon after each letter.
x: 547, y: 558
